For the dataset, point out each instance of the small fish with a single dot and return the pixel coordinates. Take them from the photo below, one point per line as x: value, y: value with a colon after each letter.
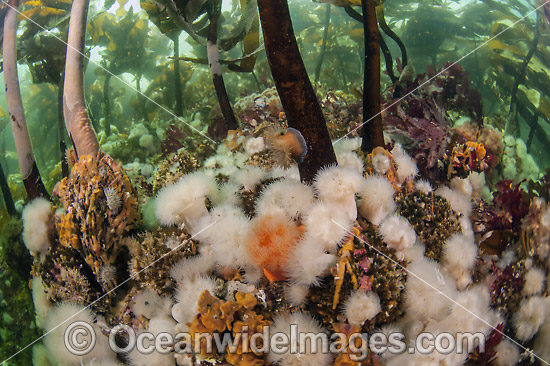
x: 296, y: 144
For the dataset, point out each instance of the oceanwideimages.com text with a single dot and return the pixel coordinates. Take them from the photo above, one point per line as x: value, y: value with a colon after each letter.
x: 80, y: 339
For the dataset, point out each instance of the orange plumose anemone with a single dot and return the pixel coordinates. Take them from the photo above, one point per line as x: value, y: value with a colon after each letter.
x: 270, y: 242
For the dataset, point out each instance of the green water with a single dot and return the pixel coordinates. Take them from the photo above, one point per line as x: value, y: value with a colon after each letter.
x: 474, y: 74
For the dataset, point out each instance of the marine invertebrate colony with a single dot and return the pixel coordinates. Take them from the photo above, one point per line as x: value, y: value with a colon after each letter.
x: 90, y: 222
x: 278, y: 226
x: 270, y: 250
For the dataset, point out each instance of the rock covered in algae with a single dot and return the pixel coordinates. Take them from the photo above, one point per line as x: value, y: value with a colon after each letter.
x: 173, y: 167
x: 99, y: 208
x: 154, y: 253
x: 67, y: 278
x: 375, y: 267
x: 431, y: 217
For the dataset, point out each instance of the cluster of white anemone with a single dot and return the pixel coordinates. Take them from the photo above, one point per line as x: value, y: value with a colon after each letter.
x: 436, y: 296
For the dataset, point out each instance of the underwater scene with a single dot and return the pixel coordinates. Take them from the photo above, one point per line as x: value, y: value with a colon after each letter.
x: 275, y: 182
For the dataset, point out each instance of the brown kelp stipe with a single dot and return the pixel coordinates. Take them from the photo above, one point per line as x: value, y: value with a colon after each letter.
x: 216, y: 68
x: 383, y: 46
x: 175, y: 37
x: 106, y: 105
x: 512, y: 121
x: 390, y: 33
x: 74, y: 108
x: 372, y: 132
x: 324, y: 44
x: 31, y: 177
x: 295, y: 90
x: 6, y: 193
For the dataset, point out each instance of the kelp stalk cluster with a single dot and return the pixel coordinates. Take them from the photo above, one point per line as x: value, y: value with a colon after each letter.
x: 27, y: 164
x: 74, y: 108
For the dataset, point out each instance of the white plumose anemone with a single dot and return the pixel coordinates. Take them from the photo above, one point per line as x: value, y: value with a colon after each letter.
x: 533, y: 282
x: 459, y: 202
x: 228, y: 194
x: 248, y: 177
x: 308, y: 263
x: 459, y: 255
x: 346, y: 144
x: 188, y: 294
x: 423, y: 186
x: 254, y: 145
x: 350, y: 160
x: 226, y: 236
x: 406, y: 167
x: 329, y: 224
x: 376, y: 199
x: 429, y: 293
x: 184, y: 201
x: 58, y: 322
x: 339, y: 185
x: 41, y: 303
x: 540, y: 345
x: 296, y: 293
x: 309, y: 353
x: 145, y: 303
x: 530, y: 316
x: 361, y: 306
x: 37, y: 221
x: 381, y: 163
x: 292, y: 196
x: 397, y: 232
x: 507, y: 353
x: 187, y: 268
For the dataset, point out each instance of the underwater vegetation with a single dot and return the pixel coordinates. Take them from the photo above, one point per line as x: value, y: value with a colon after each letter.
x: 240, y: 168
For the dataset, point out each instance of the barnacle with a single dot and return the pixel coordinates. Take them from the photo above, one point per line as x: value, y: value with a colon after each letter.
x: 431, y: 217
x: 173, y: 167
x: 146, y: 251
x: 265, y: 159
x: 375, y: 268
